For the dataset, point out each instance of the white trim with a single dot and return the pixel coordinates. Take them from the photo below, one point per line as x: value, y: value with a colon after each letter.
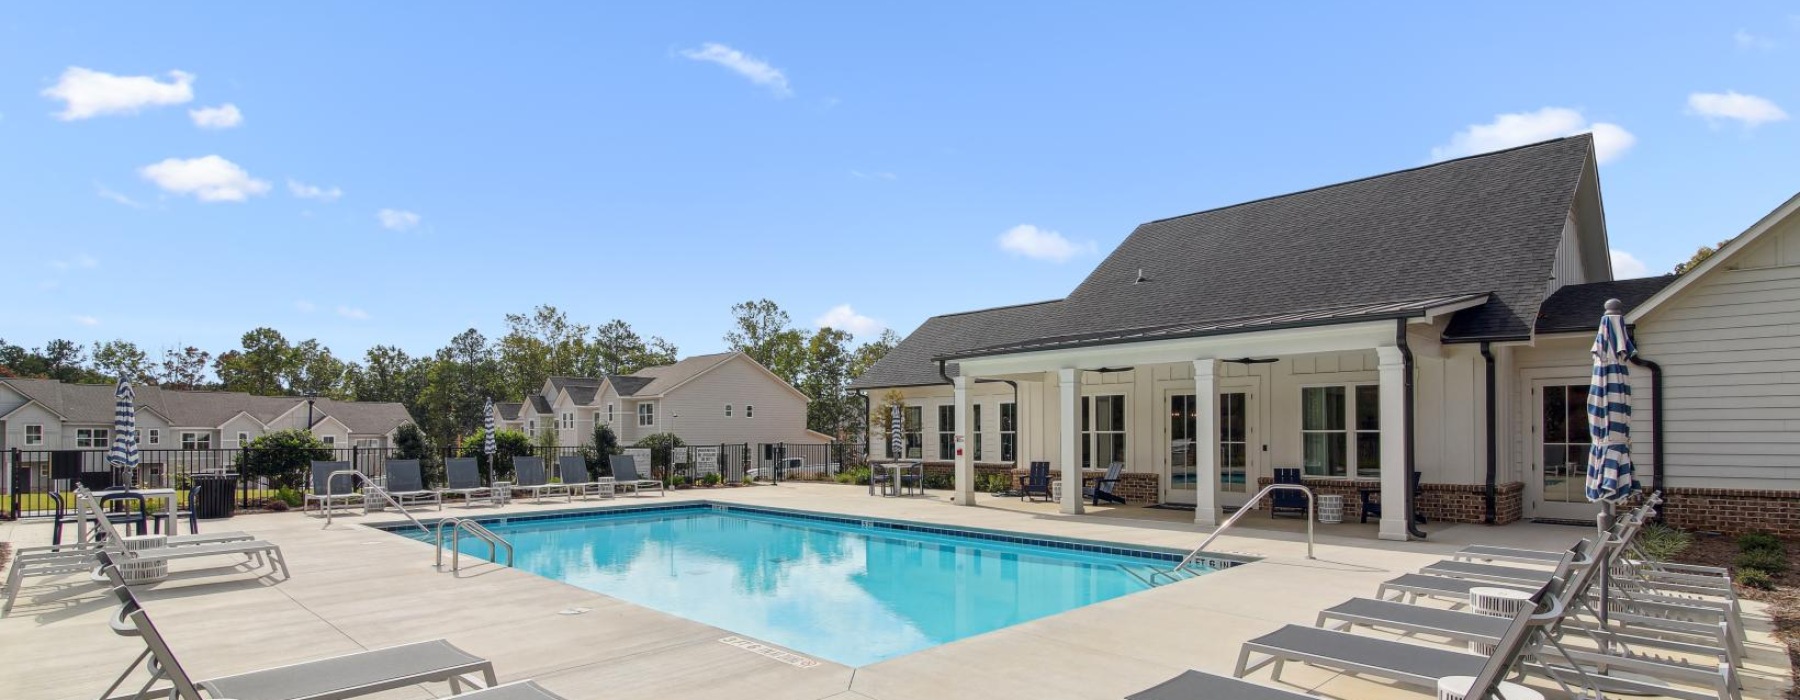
x: 153, y: 436
x: 25, y: 434
x: 1350, y: 430
x: 1342, y: 337
x: 34, y: 402
x: 1730, y: 249
x: 639, y: 412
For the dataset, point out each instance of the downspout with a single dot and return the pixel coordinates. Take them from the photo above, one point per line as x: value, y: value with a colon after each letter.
x: 1406, y: 417
x: 1656, y: 418
x: 1490, y: 496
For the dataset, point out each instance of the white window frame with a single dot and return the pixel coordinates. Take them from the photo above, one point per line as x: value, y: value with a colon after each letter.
x: 243, y: 439
x: 191, y: 440
x: 92, y: 437
x: 531, y: 427
x: 329, y: 440
x: 370, y: 443
x: 1349, y: 431
x: 153, y: 436
x: 40, y: 434
x: 646, y: 414
x: 946, y: 432
x: 1087, y: 420
x: 749, y: 411
x: 611, y: 416
x: 727, y: 410
x: 975, y: 420
x: 1009, y: 438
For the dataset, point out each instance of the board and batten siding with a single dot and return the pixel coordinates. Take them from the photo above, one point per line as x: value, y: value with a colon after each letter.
x: 1569, y: 268
x: 1729, y: 345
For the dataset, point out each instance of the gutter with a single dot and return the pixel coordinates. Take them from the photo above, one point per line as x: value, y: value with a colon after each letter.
x: 1412, y: 469
x: 1490, y: 496
x: 1656, y: 418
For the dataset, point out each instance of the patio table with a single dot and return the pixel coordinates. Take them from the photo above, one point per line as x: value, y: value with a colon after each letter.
x: 167, y: 496
x: 896, y: 481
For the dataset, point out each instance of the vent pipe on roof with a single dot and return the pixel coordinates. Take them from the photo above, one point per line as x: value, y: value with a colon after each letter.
x: 1140, y: 277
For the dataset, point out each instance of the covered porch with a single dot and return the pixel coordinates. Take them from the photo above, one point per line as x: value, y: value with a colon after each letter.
x: 1203, y: 417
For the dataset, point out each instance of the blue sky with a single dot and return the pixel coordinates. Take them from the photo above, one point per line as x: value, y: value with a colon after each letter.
x: 390, y: 173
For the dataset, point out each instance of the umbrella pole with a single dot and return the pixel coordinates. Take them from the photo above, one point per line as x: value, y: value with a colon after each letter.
x: 1605, y: 522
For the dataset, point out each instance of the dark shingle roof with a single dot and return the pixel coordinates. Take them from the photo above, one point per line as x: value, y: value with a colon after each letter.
x: 1577, y: 307
x: 93, y: 403
x: 541, y: 404
x: 910, y: 363
x: 508, y: 410
x: 627, y: 385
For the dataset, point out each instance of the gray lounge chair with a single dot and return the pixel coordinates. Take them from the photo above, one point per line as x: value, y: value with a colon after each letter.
x: 330, y: 492
x: 81, y: 557
x: 406, y: 484
x: 528, y: 476
x: 574, y: 473
x: 1488, y: 671
x: 347, y: 676
x: 625, y: 475
x: 464, y: 477
x: 254, y: 549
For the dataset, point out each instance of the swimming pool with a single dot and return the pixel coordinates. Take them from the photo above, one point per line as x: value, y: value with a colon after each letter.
x: 853, y: 591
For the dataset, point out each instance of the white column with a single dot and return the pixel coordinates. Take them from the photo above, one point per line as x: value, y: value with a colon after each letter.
x: 1393, y: 443
x: 965, y: 453
x: 1206, y: 443
x: 1068, y: 384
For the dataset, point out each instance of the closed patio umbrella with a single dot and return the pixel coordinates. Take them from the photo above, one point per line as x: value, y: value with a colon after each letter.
x: 487, y: 434
x: 1609, y: 472
x: 124, y: 452
x: 897, y: 433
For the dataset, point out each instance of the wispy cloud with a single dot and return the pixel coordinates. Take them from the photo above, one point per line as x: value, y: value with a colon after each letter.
x: 207, y: 178
x: 351, y: 312
x: 1745, y: 41
x: 224, y: 116
x: 1626, y: 266
x: 1518, y: 129
x: 844, y: 318
x: 304, y: 306
x: 89, y: 321
x: 108, y: 194
x: 752, y: 68
x: 90, y: 93
x: 81, y: 261
x: 398, y: 219
x: 873, y: 175
x: 1042, y: 244
x: 304, y: 191
x: 1749, y: 110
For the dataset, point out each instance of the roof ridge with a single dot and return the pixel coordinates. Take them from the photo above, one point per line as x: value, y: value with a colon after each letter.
x: 1367, y: 178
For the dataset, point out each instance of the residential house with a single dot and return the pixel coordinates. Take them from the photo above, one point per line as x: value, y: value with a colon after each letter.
x: 1435, y: 319
x: 721, y: 398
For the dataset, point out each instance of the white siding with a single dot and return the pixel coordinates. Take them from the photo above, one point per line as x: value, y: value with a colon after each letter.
x: 1564, y: 360
x: 696, y: 410
x: 1568, y: 268
x: 1729, y: 345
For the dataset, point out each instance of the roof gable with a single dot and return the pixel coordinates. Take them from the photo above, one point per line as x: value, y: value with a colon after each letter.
x: 1731, y: 249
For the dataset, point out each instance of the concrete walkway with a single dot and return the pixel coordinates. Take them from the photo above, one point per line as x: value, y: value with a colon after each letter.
x: 357, y: 588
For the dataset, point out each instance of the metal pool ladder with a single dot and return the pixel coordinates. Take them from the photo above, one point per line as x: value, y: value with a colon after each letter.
x: 457, y: 527
x: 1311, y: 506
x: 369, y: 486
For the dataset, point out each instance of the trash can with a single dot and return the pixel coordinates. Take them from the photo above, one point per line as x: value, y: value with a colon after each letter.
x: 218, y: 495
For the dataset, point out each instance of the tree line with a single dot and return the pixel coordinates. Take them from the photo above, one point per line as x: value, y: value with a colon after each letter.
x: 444, y: 391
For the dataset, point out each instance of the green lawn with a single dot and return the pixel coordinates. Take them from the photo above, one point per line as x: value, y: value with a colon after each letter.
x: 41, y: 501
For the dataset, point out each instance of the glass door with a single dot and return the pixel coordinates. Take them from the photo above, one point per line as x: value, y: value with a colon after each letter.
x: 1234, y: 448
x: 1183, y: 465
x: 1559, y: 487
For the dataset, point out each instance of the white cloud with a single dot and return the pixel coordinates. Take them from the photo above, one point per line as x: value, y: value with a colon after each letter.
x: 90, y: 93
x: 874, y: 175
x: 755, y: 69
x: 207, y: 178
x: 398, y: 219
x: 1751, y: 42
x: 85, y: 320
x: 1626, y: 266
x: 844, y: 318
x: 107, y: 194
x: 224, y: 116
x: 81, y: 261
x: 353, y: 313
x: 304, y: 191
x: 1041, y: 244
x: 1518, y: 129
x: 304, y: 306
x: 1748, y: 109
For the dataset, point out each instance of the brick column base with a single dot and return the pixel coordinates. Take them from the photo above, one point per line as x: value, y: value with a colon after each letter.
x: 1453, y: 503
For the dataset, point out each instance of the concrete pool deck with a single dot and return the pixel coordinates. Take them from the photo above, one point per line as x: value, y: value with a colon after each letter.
x: 357, y: 588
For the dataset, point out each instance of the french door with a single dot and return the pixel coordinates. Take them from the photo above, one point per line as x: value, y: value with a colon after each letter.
x: 1237, y: 443
x: 1557, y: 487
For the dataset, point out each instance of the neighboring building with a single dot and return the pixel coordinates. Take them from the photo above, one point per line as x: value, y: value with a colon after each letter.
x: 41, y: 416
x: 722, y: 398
x: 1350, y: 331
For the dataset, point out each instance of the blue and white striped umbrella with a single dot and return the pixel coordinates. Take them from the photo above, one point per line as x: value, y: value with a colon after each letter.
x: 897, y: 433
x: 1609, y: 471
x: 124, y: 452
x: 487, y: 428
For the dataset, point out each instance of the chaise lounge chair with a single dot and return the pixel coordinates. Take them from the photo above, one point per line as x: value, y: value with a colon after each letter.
x: 528, y: 476
x: 573, y: 471
x: 406, y: 484
x: 347, y: 676
x: 329, y: 491
x: 625, y: 475
x: 464, y: 477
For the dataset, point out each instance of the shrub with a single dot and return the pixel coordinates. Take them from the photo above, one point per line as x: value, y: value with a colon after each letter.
x: 292, y: 498
x: 1771, y: 562
x: 601, y: 447
x: 854, y: 475
x: 939, y: 481
x: 411, y: 443
x: 1662, y: 543
x: 284, y: 457
x: 507, y: 444
x: 1763, y: 541
x: 748, y: 481
x: 680, y: 480
x: 712, y: 479
x: 1756, y: 578
x: 274, y: 505
x: 660, y: 444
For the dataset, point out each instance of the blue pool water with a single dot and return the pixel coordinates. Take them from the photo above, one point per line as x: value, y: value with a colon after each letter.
x: 848, y: 592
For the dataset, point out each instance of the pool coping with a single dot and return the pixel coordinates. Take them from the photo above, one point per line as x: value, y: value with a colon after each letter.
x: 1218, y: 562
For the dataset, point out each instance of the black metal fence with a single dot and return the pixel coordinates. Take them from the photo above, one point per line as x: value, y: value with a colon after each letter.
x: 29, y: 476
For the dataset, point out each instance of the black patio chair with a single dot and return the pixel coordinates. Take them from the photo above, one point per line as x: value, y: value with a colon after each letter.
x: 1037, y: 481
x: 1103, y: 486
x: 1287, y: 501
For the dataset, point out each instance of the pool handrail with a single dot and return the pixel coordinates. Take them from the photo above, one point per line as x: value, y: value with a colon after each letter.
x: 474, y: 528
x: 1311, y: 508
x: 368, y: 485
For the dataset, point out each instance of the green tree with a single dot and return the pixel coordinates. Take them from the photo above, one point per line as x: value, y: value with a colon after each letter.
x: 457, y: 380
x: 762, y: 330
x: 260, y: 367
x: 660, y: 445
x: 507, y: 445
x: 411, y: 443
x: 604, y: 443
x: 825, y: 380
x: 184, y: 368
x: 64, y: 360
x: 387, y: 373
x: 617, y: 349
x: 869, y: 353
x: 547, y: 440
x: 284, y: 457
x: 314, y: 370
x: 539, y: 345
x: 1700, y: 256
x: 122, y: 358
